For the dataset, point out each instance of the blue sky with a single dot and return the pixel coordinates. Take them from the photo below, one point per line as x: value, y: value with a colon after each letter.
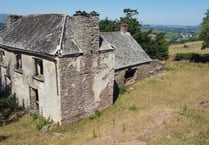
x: 172, y: 12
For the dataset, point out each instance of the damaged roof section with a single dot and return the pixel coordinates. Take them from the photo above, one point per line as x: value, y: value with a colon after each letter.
x: 127, y: 51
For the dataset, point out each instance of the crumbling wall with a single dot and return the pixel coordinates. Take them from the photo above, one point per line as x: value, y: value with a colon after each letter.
x: 22, y: 80
x: 86, y: 84
x: 142, y: 71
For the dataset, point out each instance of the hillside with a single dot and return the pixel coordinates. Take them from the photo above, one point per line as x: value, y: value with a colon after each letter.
x: 174, y: 33
x: 3, y: 18
x: 2, y: 26
x: 169, y: 109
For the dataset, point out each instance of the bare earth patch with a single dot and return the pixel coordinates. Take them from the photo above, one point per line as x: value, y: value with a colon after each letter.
x: 143, y: 131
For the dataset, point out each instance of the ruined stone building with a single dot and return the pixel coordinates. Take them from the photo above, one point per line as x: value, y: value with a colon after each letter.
x: 131, y: 61
x: 62, y: 67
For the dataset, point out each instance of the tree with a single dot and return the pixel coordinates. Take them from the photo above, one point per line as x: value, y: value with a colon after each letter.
x: 155, y: 48
x: 107, y: 25
x: 204, y: 32
x: 130, y: 13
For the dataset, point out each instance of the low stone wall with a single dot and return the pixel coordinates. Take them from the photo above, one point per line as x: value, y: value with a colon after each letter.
x: 142, y: 71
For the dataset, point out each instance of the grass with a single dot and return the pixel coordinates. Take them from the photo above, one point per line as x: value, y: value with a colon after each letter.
x: 163, y: 110
x: 170, y: 109
x: 191, y: 47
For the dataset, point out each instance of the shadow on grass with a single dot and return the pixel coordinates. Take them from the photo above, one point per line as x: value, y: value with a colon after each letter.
x: 193, y: 57
x: 2, y: 137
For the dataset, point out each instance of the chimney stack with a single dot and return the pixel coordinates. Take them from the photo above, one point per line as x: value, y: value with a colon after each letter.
x: 124, y: 28
x: 12, y: 19
x: 87, y: 31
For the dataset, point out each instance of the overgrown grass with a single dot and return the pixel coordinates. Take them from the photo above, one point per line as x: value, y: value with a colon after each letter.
x: 189, y: 47
x: 164, y: 110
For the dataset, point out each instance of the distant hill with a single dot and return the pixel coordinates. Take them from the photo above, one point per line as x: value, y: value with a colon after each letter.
x: 2, y: 26
x: 3, y: 18
x: 178, y: 28
x: 175, y: 33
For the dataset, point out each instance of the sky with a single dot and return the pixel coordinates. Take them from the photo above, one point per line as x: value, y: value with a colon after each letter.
x: 167, y: 12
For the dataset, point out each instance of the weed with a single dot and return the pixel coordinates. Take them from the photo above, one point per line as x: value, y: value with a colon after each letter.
x: 124, y: 128
x: 34, y: 116
x: 98, y: 113
x: 194, y: 115
x: 94, y: 133
x: 133, y: 107
x: 42, y: 122
x: 113, y: 122
x: 122, y: 90
x: 93, y: 116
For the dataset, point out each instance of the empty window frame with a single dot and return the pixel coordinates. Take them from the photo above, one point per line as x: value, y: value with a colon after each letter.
x: 38, y: 67
x: 18, y: 65
x: 1, y: 56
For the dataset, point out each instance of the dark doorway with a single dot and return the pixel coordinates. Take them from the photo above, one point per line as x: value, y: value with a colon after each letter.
x: 130, y: 76
x: 115, y: 91
x: 34, y: 99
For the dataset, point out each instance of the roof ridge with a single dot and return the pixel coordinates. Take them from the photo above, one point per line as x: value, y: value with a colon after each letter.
x: 60, y: 44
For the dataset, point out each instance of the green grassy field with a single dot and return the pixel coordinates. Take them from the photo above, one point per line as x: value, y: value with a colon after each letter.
x: 194, y: 47
x: 169, y: 109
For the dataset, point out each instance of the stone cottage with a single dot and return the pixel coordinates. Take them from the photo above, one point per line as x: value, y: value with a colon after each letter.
x: 57, y: 65
x: 131, y: 61
x: 62, y: 67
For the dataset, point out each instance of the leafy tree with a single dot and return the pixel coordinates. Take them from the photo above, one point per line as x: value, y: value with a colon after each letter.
x: 155, y: 48
x: 107, y: 25
x: 161, y: 46
x: 204, y: 32
x: 130, y: 13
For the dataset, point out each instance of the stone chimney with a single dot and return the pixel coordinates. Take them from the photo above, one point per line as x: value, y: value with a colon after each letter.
x: 12, y: 19
x: 87, y: 31
x: 124, y: 28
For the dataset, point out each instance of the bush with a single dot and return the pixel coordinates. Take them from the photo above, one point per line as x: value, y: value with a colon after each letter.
x: 98, y: 113
x: 42, y: 122
x: 34, y: 116
x: 188, y: 56
x: 122, y: 90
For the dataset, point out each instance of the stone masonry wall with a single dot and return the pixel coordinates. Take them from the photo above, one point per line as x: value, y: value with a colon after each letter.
x: 86, y: 84
x: 86, y: 31
x: 142, y: 71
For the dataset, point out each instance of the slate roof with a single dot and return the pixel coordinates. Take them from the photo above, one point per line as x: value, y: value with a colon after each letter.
x: 44, y: 33
x: 49, y: 33
x: 39, y: 33
x: 127, y: 51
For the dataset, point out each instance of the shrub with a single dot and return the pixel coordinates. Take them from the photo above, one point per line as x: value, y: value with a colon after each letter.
x: 42, y: 122
x: 122, y: 90
x: 98, y: 113
x: 188, y: 56
x: 34, y: 116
